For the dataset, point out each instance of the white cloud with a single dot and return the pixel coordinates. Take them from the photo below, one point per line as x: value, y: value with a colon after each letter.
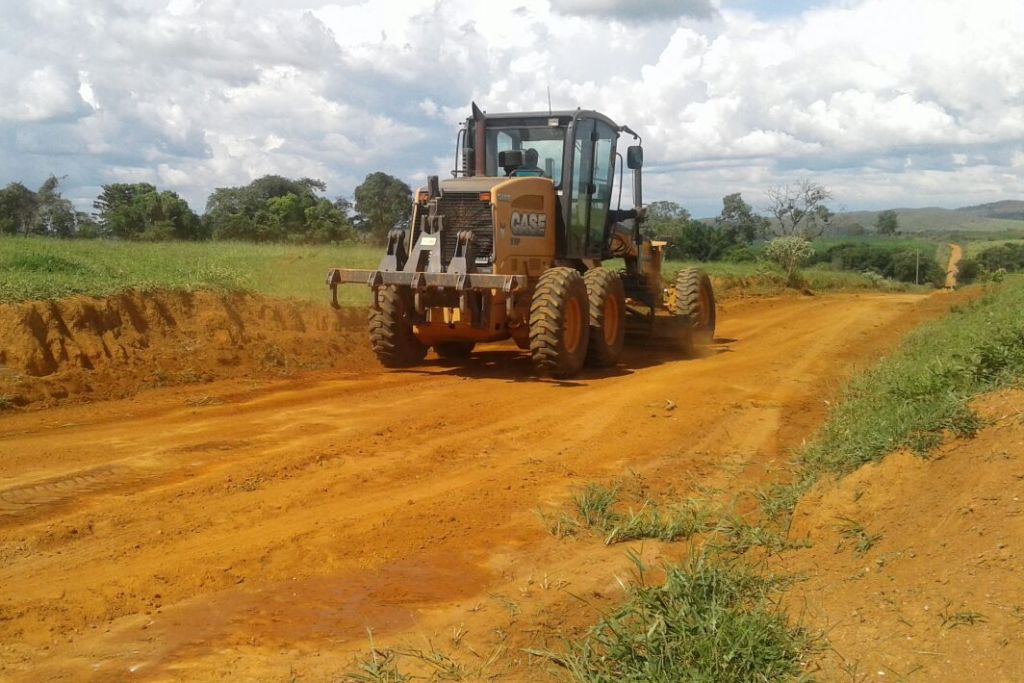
x: 44, y: 93
x: 903, y: 95
x: 630, y: 11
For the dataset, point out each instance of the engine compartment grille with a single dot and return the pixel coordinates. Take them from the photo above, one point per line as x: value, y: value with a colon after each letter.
x: 465, y: 211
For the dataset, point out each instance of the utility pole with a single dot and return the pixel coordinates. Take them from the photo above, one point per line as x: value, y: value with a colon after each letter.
x: 917, y: 267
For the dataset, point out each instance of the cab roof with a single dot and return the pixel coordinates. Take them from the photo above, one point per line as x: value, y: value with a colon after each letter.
x: 563, y: 116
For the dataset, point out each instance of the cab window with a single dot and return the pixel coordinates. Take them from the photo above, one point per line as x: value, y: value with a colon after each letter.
x: 546, y: 142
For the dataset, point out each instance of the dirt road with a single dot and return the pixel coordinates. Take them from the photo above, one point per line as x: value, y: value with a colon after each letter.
x: 953, y: 267
x: 253, y: 531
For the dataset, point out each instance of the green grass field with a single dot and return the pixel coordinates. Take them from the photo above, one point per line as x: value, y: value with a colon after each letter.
x: 975, y: 247
x: 41, y: 268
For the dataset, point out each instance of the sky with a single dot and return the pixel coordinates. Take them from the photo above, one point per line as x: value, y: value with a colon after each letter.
x: 888, y: 103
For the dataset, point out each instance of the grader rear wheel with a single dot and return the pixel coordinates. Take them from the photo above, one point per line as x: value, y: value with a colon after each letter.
x: 559, y: 322
x: 607, y: 317
x: 391, y: 335
x: 695, y: 303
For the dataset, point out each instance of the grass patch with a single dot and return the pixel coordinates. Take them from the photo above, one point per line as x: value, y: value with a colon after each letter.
x: 377, y: 666
x: 44, y: 268
x: 777, y: 501
x: 952, y: 619
x: 597, y: 508
x: 854, y: 531
x: 678, y: 521
x: 383, y: 666
x: 910, y: 399
x: 709, y: 620
x: 735, y: 535
x: 593, y: 505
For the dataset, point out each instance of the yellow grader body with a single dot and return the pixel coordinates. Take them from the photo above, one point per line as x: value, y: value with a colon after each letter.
x: 513, y: 247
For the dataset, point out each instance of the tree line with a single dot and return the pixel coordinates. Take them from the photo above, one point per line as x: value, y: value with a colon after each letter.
x: 269, y: 209
x: 278, y: 209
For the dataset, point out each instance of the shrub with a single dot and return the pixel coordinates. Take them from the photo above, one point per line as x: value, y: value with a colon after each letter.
x: 740, y: 253
x: 969, y: 271
x: 887, y: 260
x: 911, y: 266
x: 1009, y: 256
x: 711, y: 620
x: 789, y: 253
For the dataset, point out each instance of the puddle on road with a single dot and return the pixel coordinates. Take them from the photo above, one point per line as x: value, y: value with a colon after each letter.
x: 332, y: 609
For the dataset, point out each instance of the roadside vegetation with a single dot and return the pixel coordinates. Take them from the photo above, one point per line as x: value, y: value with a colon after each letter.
x: 910, y: 400
x: 901, y: 260
x: 991, y: 260
x: 1005, y: 256
x: 796, y: 241
x: 40, y: 268
x: 617, y: 515
x: 709, y: 619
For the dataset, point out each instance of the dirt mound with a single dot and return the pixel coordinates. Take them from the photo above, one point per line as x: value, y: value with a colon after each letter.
x: 916, y: 565
x: 111, y: 348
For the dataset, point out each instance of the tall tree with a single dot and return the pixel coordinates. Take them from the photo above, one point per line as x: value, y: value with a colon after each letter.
x: 887, y: 223
x: 277, y: 209
x: 140, y: 211
x: 800, y: 209
x: 703, y: 240
x: 383, y: 202
x: 325, y: 222
x: 44, y: 212
x: 18, y: 206
x: 739, y: 222
x: 55, y: 215
x: 663, y: 218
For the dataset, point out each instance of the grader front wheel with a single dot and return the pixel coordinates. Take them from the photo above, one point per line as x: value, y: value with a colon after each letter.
x: 391, y: 335
x: 559, y: 322
x: 695, y: 303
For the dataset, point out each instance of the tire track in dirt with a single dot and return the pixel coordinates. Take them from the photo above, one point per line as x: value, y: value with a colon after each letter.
x: 51, y: 492
x: 287, y: 517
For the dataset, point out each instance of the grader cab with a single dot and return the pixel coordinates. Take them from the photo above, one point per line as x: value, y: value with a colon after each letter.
x: 512, y: 246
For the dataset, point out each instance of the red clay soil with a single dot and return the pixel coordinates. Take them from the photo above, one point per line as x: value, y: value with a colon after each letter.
x: 85, y: 347
x: 253, y: 530
x: 939, y: 596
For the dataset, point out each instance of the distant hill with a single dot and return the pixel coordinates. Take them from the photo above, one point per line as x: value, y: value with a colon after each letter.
x: 1008, y: 209
x: 977, y: 219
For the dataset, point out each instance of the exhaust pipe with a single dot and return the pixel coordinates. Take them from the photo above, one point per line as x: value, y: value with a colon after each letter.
x: 480, y: 141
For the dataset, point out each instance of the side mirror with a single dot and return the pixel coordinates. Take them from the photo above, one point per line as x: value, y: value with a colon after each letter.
x: 635, y: 157
x: 510, y: 160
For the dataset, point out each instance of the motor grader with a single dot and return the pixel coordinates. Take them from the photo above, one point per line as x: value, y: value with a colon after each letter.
x: 512, y: 246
